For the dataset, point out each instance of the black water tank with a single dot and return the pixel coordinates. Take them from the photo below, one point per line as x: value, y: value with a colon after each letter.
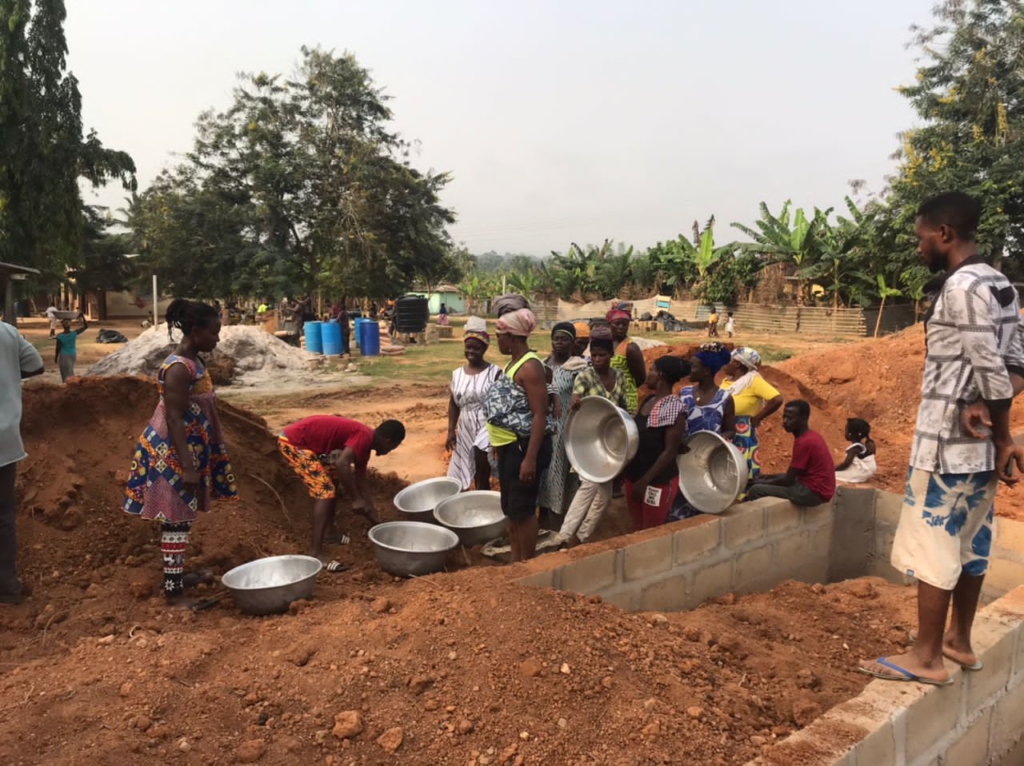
x: 411, y: 314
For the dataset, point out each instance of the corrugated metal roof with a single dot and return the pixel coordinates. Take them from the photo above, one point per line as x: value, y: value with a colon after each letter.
x: 13, y: 268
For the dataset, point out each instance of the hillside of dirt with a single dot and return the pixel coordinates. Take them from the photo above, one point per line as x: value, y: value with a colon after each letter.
x: 460, y: 668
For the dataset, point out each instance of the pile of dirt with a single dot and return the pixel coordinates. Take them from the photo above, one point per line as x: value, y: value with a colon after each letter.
x: 457, y: 668
x: 245, y: 355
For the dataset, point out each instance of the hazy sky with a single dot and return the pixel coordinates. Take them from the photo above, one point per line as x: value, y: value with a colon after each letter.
x: 559, y: 121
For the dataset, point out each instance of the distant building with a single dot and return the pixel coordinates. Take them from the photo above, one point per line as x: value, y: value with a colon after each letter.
x: 449, y: 295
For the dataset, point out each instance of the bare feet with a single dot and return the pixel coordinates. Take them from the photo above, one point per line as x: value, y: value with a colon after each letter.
x: 954, y: 651
x: 907, y: 668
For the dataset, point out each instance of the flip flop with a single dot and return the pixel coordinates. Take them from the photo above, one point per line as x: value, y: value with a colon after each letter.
x: 979, y: 665
x: 905, y: 675
x: 335, y: 567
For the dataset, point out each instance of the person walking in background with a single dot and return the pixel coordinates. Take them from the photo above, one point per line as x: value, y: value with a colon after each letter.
x: 754, y: 399
x: 442, y: 317
x: 51, y: 318
x: 466, y: 408
x: 328, y: 450
x: 519, y: 425
x: 730, y: 325
x: 600, y: 379
x: 181, y: 462
x: 707, y: 407
x: 859, y: 464
x: 652, y: 476
x: 713, y: 323
x: 66, y: 350
x: 974, y: 353
x: 564, y: 366
x: 811, y: 478
x: 627, y: 357
x: 18, y: 360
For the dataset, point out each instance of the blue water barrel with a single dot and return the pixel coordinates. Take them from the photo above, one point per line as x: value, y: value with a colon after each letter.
x: 331, y: 333
x: 357, y: 334
x: 314, y: 339
x: 371, y: 338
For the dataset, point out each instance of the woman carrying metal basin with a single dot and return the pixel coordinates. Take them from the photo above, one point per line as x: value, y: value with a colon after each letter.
x: 652, y: 476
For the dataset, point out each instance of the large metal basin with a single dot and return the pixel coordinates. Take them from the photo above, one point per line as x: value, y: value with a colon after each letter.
x: 475, y: 517
x: 268, y: 586
x: 713, y: 473
x: 419, y: 500
x: 600, y: 439
x: 406, y: 548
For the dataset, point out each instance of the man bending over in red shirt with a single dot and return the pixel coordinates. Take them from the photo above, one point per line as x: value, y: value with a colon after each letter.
x: 327, y: 450
x: 811, y: 478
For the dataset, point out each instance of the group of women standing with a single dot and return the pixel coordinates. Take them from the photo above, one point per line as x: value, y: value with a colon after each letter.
x: 591, y: 361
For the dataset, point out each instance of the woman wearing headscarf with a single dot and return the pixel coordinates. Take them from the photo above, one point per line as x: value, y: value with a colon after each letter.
x: 601, y: 379
x: 564, y: 366
x: 520, y: 429
x: 708, y: 407
x: 754, y: 399
x: 466, y: 420
x: 652, y: 476
x: 628, y: 358
x: 582, y: 343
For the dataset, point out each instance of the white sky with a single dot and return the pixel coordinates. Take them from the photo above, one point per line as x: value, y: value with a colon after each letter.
x: 560, y: 121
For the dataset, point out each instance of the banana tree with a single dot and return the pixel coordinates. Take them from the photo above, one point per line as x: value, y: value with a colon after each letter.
x: 884, y: 291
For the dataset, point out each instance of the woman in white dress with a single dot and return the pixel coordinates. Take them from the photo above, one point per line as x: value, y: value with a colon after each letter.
x: 465, y: 409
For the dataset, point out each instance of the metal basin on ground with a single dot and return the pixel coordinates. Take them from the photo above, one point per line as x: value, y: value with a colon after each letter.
x: 713, y: 473
x: 600, y: 439
x: 406, y: 548
x: 475, y: 517
x: 268, y: 586
x: 418, y: 501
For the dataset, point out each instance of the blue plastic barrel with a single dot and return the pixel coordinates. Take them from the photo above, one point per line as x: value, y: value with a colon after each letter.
x: 331, y: 334
x: 371, y: 339
x: 357, y: 334
x: 314, y: 339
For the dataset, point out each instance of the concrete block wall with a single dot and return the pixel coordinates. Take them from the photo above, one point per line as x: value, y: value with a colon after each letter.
x: 749, y: 548
x: 978, y: 721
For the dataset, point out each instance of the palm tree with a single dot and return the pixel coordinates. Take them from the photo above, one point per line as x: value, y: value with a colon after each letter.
x: 885, y: 292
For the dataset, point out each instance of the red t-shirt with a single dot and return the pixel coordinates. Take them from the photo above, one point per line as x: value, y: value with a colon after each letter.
x: 323, y: 434
x: 812, y: 461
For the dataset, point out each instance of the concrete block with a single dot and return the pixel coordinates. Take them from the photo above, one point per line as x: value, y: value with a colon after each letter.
x: 884, y: 536
x: 1014, y: 757
x: 1009, y: 535
x: 995, y: 644
x: 647, y: 558
x: 754, y: 566
x: 545, y: 579
x: 1008, y: 725
x: 972, y: 747
x: 878, y: 746
x: 933, y: 717
x: 821, y: 540
x: 810, y: 570
x: 780, y: 517
x: 743, y: 523
x: 1003, y: 576
x: 626, y: 599
x: 818, y: 514
x: 852, y: 539
x: 590, y: 574
x: 888, y: 507
x: 880, y: 567
x: 668, y: 595
x: 694, y: 543
x: 709, y: 582
x: 793, y: 549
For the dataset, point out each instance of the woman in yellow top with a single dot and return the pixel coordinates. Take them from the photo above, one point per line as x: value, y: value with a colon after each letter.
x: 627, y: 357
x: 754, y: 399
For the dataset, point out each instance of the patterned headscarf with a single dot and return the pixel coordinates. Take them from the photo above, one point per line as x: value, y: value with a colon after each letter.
x: 565, y: 328
x: 714, y: 356
x: 582, y: 329
x: 747, y: 357
x: 476, y: 328
x: 601, y: 337
x: 503, y: 304
x: 520, y: 322
x: 617, y: 311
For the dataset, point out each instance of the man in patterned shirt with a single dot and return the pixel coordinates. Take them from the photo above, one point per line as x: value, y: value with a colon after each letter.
x: 974, y: 353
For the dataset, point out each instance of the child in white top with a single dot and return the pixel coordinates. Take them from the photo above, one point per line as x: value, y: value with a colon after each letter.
x: 859, y: 465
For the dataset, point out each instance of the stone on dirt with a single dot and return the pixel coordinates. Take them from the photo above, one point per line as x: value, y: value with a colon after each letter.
x: 348, y: 724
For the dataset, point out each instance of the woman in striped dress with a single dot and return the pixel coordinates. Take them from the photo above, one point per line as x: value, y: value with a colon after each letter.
x: 465, y: 409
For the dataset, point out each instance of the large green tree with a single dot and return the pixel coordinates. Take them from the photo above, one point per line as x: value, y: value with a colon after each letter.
x: 300, y: 184
x: 43, y: 151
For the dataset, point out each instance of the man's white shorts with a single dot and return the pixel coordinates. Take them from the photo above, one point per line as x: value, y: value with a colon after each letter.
x: 945, y: 526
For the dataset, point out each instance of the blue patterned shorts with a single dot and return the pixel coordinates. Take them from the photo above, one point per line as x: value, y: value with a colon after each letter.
x: 946, y: 526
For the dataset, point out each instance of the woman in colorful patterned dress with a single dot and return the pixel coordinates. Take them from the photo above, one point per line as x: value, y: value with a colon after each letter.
x: 466, y: 418
x: 754, y: 399
x: 628, y: 358
x: 164, y: 486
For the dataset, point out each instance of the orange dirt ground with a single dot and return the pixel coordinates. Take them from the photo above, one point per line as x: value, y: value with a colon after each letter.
x: 464, y: 668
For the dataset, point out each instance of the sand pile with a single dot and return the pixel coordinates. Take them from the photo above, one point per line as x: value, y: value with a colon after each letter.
x: 245, y: 355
